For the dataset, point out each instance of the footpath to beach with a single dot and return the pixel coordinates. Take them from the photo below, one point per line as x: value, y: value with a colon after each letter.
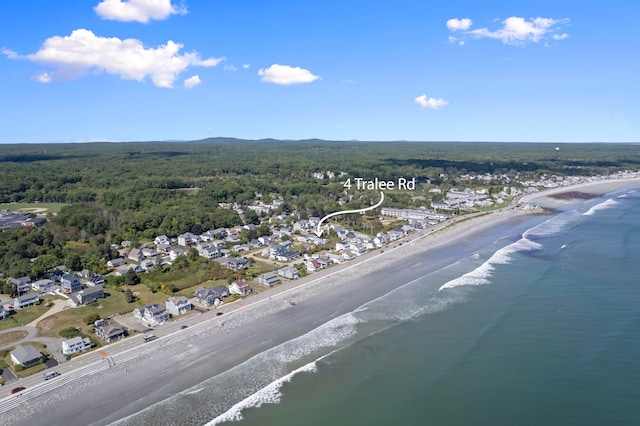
x: 129, y: 362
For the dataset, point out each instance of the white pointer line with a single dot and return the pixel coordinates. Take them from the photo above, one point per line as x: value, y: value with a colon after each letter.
x: 318, y: 231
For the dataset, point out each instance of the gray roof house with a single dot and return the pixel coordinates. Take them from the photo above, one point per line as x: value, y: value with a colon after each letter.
x: 268, y: 279
x: 26, y: 355
x: 152, y: 314
x: 109, y: 331
x: 42, y: 285
x: 208, y: 296
x: 25, y: 300
x: 70, y: 283
x: 178, y: 305
x: 90, y: 295
x: 289, y: 272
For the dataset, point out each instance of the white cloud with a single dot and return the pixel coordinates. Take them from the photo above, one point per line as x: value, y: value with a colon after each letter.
x: 42, y: 77
x: 230, y: 67
x: 560, y: 36
x: 430, y: 103
x: 459, y: 24
x: 246, y: 66
x: 82, y: 51
x: 137, y: 10
x: 9, y: 53
x: 519, y: 31
x: 192, y: 81
x: 284, y: 74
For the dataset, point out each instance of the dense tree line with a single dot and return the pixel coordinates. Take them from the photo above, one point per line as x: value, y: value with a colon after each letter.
x: 135, y: 191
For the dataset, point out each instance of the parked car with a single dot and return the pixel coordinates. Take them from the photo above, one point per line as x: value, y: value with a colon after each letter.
x: 219, y: 313
x: 18, y: 389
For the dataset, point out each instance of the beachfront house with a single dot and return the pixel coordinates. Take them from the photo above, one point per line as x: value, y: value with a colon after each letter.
x: 75, y: 344
x: 211, y: 296
x: 206, y: 296
x: 289, y: 272
x: 153, y: 314
x: 109, y: 331
x: 268, y: 279
x: 240, y: 287
x: 26, y: 356
x: 178, y: 305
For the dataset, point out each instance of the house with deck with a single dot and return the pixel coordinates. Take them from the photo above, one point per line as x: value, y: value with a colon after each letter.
x: 43, y: 285
x: 70, y: 283
x: 109, y: 331
x: 25, y: 300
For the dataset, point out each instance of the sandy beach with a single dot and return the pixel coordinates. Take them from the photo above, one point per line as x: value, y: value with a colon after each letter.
x: 91, y: 392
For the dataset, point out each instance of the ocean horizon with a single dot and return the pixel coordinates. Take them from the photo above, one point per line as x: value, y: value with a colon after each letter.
x: 539, y: 324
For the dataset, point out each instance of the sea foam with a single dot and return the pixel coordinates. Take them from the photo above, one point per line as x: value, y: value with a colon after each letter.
x: 602, y: 206
x: 270, y: 394
x: 482, y: 273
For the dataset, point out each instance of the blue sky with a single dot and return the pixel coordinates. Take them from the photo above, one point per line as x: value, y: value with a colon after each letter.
x: 116, y: 70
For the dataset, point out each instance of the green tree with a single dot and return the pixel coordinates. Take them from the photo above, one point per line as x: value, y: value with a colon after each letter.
x: 42, y: 264
x: 131, y: 277
x: 128, y: 296
x: 73, y: 262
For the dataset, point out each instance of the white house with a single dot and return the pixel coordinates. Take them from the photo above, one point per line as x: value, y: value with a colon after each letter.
x: 42, y: 285
x: 289, y: 272
x: 75, y: 344
x: 240, y: 287
x: 152, y: 314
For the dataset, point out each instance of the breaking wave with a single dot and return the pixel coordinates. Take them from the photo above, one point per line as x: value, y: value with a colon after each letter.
x: 602, y: 206
x: 270, y: 394
x: 482, y: 273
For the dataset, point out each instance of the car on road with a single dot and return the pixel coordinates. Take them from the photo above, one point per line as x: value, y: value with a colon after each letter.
x: 182, y: 327
x: 18, y: 389
x: 219, y: 313
x: 50, y: 375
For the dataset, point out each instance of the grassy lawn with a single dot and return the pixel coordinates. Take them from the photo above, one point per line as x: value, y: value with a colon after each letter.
x: 5, y: 357
x: 114, y: 304
x: 24, y: 316
x: 35, y: 207
x: 12, y: 336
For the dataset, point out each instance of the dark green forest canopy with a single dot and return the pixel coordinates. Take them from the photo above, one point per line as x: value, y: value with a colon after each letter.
x: 136, y: 174
x: 137, y: 190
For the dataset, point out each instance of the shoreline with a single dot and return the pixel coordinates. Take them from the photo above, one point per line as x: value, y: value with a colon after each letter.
x: 140, y: 378
x: 550, y: 198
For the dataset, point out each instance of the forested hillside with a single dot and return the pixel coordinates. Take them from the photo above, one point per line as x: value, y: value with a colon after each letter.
x: 135, y: 191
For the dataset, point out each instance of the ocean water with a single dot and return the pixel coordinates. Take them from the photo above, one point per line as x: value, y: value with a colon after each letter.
x: 537, y: 327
